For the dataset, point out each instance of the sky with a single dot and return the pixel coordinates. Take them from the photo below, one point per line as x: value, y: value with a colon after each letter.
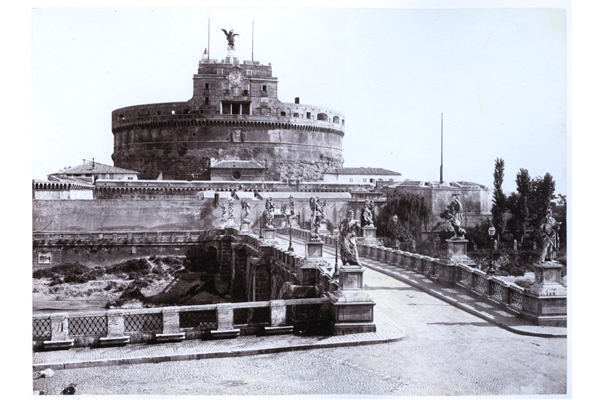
x: 498, y: 76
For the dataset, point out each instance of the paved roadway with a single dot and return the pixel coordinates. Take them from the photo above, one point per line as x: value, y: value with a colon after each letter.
x: 446, y: 352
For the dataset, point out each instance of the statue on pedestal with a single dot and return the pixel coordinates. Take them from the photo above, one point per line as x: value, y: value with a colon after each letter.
x: 316, y: 217
x: 349, y: 231
x: 230, y: 209
x: 230, y: 37
x: 245, y: 210
x: 550, y: 241
x: 454, y: 215
x: 269, y: 213
x: 368, y: 213
x: 223, y: 211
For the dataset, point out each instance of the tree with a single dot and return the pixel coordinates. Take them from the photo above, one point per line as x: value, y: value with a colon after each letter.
x: 520, y: 211
x: 499, y: 200
x: 542, y: 195
x: 412, y: 211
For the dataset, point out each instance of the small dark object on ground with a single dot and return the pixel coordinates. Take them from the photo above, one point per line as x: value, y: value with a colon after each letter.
x: 69, y: 389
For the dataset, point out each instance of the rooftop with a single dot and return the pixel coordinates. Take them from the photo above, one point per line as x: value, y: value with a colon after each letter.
x: 437, y: 184
x: 363, y: 171
x: 93, y: 167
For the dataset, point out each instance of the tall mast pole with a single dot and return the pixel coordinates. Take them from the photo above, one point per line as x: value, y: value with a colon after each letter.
x: 209, y: 38
x: 253, y: 41
x: 442, y: 152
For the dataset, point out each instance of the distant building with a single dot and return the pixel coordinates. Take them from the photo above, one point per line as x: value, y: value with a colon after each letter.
x: 90, y: 171
x: 475, y: 199
x: 361, y: 175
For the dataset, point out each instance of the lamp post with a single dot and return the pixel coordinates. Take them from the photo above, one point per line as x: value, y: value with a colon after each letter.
x: 491, y: 231
x: 289, y: 219
x: 289, y: 212
x: 395, y: 230
x: 336, y: 235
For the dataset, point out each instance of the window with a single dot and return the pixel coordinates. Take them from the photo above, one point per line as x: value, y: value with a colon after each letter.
x: 264, y: 88
x: 249, y: 72
x: 283, y: 114
x: 207, y: 100
x: 130, y: 178
x: 207, y: 86
x: 236, y: 175
x: 219, y: 71
x: 246, y: 89
x: 235, y: 108
x: 308, y: 116
x: 296, y: 115
x: 236, y: 91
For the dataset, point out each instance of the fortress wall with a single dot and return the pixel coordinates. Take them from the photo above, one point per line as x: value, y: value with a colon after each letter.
x: 172, y: 214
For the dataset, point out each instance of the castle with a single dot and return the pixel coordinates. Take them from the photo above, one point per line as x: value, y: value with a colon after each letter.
x: 233, y: 138
x: 233, y: 115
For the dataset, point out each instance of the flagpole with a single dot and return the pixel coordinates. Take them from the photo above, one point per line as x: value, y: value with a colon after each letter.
x: 442, y: 152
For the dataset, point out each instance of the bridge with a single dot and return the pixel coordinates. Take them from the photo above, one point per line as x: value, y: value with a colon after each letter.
x: 286, y: 292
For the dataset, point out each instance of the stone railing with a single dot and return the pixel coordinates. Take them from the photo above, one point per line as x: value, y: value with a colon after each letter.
x: 504, y: 294
x: 153, y: 325
x: 125, y: 237
x: 305, y: 273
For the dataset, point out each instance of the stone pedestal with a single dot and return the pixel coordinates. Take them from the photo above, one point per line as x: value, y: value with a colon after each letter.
x: 369, y: 233
x: 225, y: 328
x: 352, y: 308
x: 245, y: 226
x: 268, y: 233
x: 351, y: 277
x: 548, y: 280
x: 59, y: 325
x: 230, y: 223
x: 278, y: 319
x: 545, y: 302
x: 116, y: 328
x: 314, y: 249
x: 170, y: 331
x: 369, y: 236
x: 457, y: 252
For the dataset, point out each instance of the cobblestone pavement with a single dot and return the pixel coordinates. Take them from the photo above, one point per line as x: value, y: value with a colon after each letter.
x: 446, y: 352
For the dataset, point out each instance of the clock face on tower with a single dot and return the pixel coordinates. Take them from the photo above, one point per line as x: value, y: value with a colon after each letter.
x: 235, y: 77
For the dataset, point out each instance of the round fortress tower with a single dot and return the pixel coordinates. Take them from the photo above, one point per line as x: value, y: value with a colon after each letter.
x: 234, y: 114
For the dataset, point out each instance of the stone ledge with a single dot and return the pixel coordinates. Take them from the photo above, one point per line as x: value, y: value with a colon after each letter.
x: 225, y: 334
x: 348, y: 328
x: 59, y: 344
x: 170, y: 337
x: 113, y: 341
x: 277, y: 330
